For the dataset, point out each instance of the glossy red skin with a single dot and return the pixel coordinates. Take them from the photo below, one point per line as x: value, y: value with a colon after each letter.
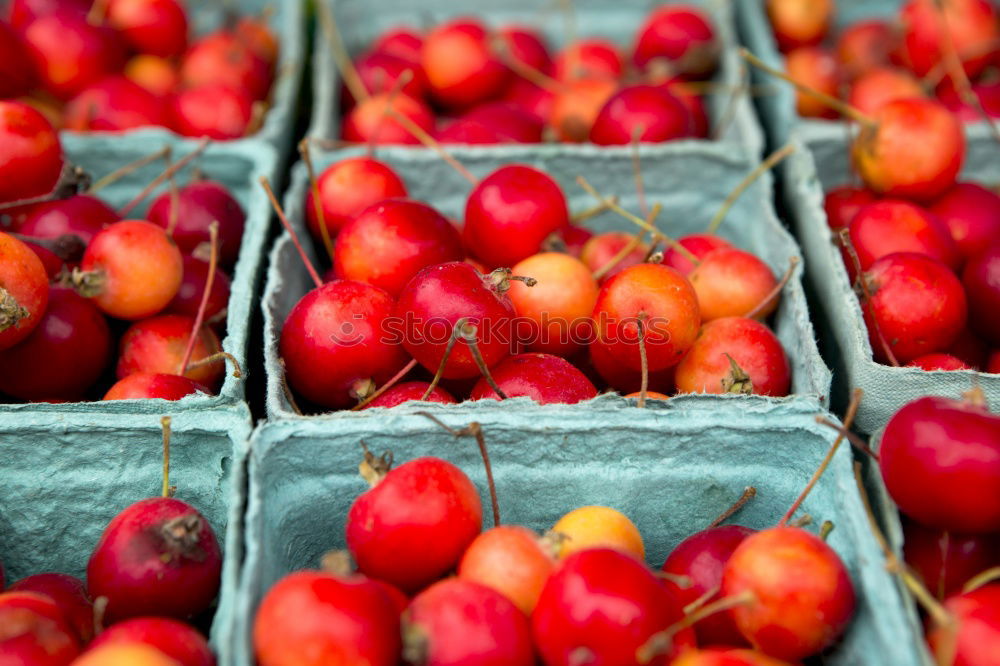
x: 461, y: 64
x: 939, y: 361
x: 993, y: 363
x: 20, y: 12
x: 608, y: 603
x: 649, y: 113
x: 36, y: 631
x: 69, y: 594
x: 313, y: 619
x: 402, y: 42
x: 544, y: 378
x: 881, y: 85
x: 940, y: 460
x: 214, y: 111
x: 178, y: 641
x: 133, y: 567
x: 988, y: 94
x: 694, y: 102
x: 157, y: 27
x: 64, y: 356
x: 530, y: 98
x: 972, y: 214
x: 70, y: 54
x: 816, y: 68
x: 408, y: 391
x: 972, y: 24
x: 222, y: 58
x: 368, y: 123
x: 23, y: 276
x: 518, y: 204
x: 157, y: 344
x: 114, y: 104
x: 750, y: 343
x: 590, y: 57
x: 804, y: 597
x: 52, y: 263
x: 981, y: 279
x: 918, y: 303
x: 379, y: 72
x: 864, y: 45
x: 599, y: 250
x: 412, y: 527
x: 16, y: 74
x: 915, y: 153
x: 697, y: 244
x: 891, y: 225
x: 970, y: 349
x: 574, y: 238
x: 464, y: 622
x: 605, y: 367
x: 81, y: 215
x: 702, y: 557
x: 256, y: 33
x: 348, y: 187
x: 145, y: 386
x: 977, y: 614
x: 198, y: 205
x: 32, y: 153
x: 188, y: 298
x: 334, y: 338
x: 843, y: 203
x: 731, y: 282
x: 526, y: 45
x: 436, y: 299
x: 682, y: 35
x: 945, y: 561
x: 391, y: 241
x: 502, y: 122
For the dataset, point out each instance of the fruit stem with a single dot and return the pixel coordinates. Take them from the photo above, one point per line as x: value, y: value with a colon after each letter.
x: 129, y: 168
x: 469, y: 332
x: 852, y: 409
x: 855, y: 441
x: 165, y: 425
x: 643, y: 361
x: 217, y: 356
x: 980, y: 579
x: 324, y: 232
x: 373, y: 469
x: 702, y: 600
x: 68, y: 247
x: 841, y: 107
x: 635, y: 242
x: 72, y: 179
x: 802, y: 521
x: 11, y: 312
x: 501, y: 277
x: 748, y: 494
x: 825, y: 529
x: 769, y: 163
x: 199, y: 320
x: 444, y: 359
x: 736, y: 380
x: 661, y: 643
x: 729, y: 114
x: 635, y: 219
x: 336, y: 563
x: 291, y: 232
x: 388, y: 385
x: 526, y: 71
x: 328, y: 23
x: 476, y: 430
x: 100, y: 610
x: 593, y: 211
x: 86, y: 283
x: 168, y: 173
x: 775, y: 293
x: 845, y: 241
x: 430, y: 142
x: 404, y: 78
x: 680, y: 580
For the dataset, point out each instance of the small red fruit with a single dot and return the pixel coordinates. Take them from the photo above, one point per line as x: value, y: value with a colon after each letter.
x: 977, y: 618
x: 33, y: 630
x: 408, y: 391
x: 731, y: 282
x: 981, y: 279
x: 799, y: 22
x: 81, y: 215
x: 198, y: 205
x: 697, y: 244
x: 158, y: 27
x: 24, y: 291
x: 213, y: 111
x: 512, y: 560
x: 176, y: 640
x: 114, y: 104
x: 544, y: 378
x: 843, y: 203
x: 972, y: 213
x: 157, y: 345
x: 69, y: 594
x: 188, y: 297
x: 814, y: 67
x: 681, y: 35
x: 462, y: 65
x: 891, y: 225
x: 735, y: 355
x: 370, y: 122
x: 864, y: 45
x: 946, y: 561
x: 972, y: 27
x: 939, y: 361
x: 599, y: 250
x: 146, y: 386
x: 589, y: 58
x: 348, y: 187
x: 641, y: 113
x: 33, y: 157
x: 221, y: 58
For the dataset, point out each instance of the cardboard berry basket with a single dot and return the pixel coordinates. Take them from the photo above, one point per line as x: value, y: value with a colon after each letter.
x: 680, y: 469
x: 811, y: 170
x: 777, y: 105
x: 287, y: 21
x: 238, y: 167
x: 689, y: 181
x: 65, y: 476
x: 361, y: 21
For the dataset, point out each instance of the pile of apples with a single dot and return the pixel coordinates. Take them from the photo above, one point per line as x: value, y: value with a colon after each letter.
x: 432, y: 588
x: 466, y: 82
x: 492, y: 312
x: 875, y: 61
x: 940, y: 460
x: 153, y: 575
x: 115, y: 65
x: 76, y: 277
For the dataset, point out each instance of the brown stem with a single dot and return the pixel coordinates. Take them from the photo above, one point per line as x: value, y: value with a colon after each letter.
x: 775, y: 293
x: 469, y: 333
x: 68, y: 247
x: 769, y: 163
x: 199, y: 320
x: 845, y: 241
x: 165, y: 426
x: 825, y: 529
x: 86, y: 283
x: 729, y: 114
x: 635, y: 242
x: 736, y: 380
x: 983, y: 578
x: 168, y: 173
x: 328, y: 23
x: 856, y: 442
x: 129, y: 168
x: 852, y: 409
x: 317, y: 202
x: 72, y: 179
x: 291, y: 232
x: 661, y: 643
x: 455, y: 334
x: 702, y: 600
x: 430, y: 142
x: 748, y: 494
x: 217, y: 356
x: 801, y: 521
x: 643, y: 362
x: 593, y: 211
x: 385, y: 387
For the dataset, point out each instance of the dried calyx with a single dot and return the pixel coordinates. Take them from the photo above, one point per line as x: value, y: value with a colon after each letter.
x: 11, y: 312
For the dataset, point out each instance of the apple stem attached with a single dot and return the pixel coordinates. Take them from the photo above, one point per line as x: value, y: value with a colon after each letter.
x: 769, y: 163
x: 455, y: 335
x: 388, y: 385
x: 266, y: 184
x: 737, y: 380
x: 373, y: 469
x: 702, y: 600
x: 168, y: 173
x: 661, y: 643
x: 643, y: 362
x: 593, y: 211
x: 199, y: 319
x: 432, y: 143
x: 775, y: 293
x: 748, y: 494
x: 217, y: 356
x: 165, y: 491
x: 328, y: 23
x: 132, y: 167
x: 983, y: 578
x: 68, y: 247
x: 469, y: 332
x: 72, y: 180
x: 852, y: 410
x: 324, y: 232
x: 845, y: 241
x: 825, y: 529
x: 857, y: 442
x: 629, y: 247
x: 680, y: 580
